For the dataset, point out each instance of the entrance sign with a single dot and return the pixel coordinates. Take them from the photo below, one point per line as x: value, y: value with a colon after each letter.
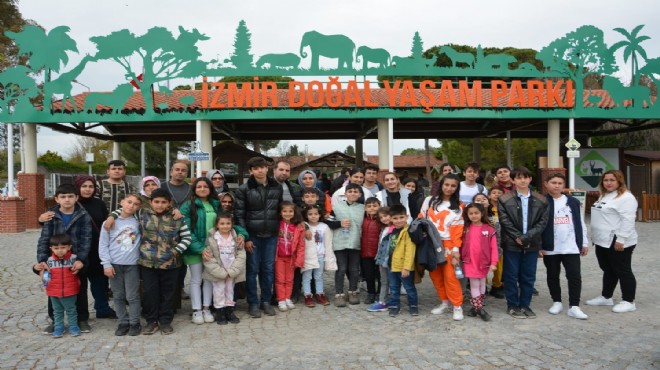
x: 474, y: 85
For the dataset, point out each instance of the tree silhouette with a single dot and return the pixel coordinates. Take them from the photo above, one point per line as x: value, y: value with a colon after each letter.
x: 163, y: 56
x: 577, y: 55
x: 417, y: 47
x: 631, y: 48
x: 242, y: 45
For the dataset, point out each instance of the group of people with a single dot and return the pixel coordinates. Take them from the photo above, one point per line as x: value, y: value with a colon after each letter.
x: 273, y: 239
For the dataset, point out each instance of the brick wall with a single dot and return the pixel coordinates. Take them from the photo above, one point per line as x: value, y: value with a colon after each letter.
x: 31, y: 187
x: 12, y: 215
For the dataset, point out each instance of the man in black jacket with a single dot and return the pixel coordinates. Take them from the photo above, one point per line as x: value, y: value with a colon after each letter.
x: 256, y: 209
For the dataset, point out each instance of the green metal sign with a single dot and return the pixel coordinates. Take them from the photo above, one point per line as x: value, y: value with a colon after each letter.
x: 492, y: 86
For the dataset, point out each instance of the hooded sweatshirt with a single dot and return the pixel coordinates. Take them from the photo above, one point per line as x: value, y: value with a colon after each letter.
x: 224, y: 188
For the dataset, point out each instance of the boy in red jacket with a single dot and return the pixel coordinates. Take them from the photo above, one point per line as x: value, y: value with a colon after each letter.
x: 369, y: 247
x: 63, y: 286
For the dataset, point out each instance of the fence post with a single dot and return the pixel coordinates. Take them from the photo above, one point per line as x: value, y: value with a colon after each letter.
x: 645, y: 207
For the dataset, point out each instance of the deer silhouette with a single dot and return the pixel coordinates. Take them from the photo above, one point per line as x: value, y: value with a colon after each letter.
x: 595, y: 171
x: 63, y: 84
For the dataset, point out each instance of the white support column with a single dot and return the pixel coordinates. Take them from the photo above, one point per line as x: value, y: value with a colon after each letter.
x: 206, y: 145
x: 571, y: 161
x: 385, y: 143
x: 116, y: 150
x: 553, y: 144
x: 143, y: 159
x: 30, y: 146
x: 10, y: 159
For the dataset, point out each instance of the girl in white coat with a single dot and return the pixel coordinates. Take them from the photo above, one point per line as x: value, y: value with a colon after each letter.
x: 319, y: 256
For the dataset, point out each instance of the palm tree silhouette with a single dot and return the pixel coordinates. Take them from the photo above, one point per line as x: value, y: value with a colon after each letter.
x: 632, y: 48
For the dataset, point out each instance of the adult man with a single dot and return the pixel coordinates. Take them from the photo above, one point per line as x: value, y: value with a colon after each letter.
x: 291, y: 192
x: 503, y: 177
x: 470, y: 187
x: 256, y: 209
x: 177, y: 186
x: 370, y: 176
x: 114, y: 188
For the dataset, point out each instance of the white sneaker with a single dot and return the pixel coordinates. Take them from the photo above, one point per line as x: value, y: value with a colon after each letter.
x: 601, y: 301
x: 556, y: 308
x: 282, y: 306
x: 577, y: 313
x: 208, y: 317
x: 624, y: 306
x: 197, y: 317
x: 440, y: 309
x: 289, y: 304
x: 458, y: 313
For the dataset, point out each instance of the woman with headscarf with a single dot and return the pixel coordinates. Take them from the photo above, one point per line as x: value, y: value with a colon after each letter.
x: 218, y: 180
x: 147, y: 185
x: 307, y: 179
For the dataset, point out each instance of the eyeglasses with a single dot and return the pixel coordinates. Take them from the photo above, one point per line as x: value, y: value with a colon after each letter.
x: 217, y: 178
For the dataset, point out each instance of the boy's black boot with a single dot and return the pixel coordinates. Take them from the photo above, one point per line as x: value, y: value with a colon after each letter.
x: 220, y: 317
x: 231, y: 316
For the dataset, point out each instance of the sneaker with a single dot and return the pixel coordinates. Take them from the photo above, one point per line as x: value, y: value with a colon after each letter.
x: 208, y: 317
x: 535, y: 292
x: 340, y: 300
x: 377, y: 307
x: 309, y: 301
x: 282, y: 306
x: 231, y: 316
x: 222, y: 317
x: 556, y: 308
x: 414, y: 311
x: 516, y: 312
x: 122, y: 330
x: 458, y: 314
x: 197, y: 318
x: 322, y: 299
x: 74, y: 330
x: 442, y: 308
x: 472, y: 312
x: 166, y: 329
x: 254, y: 312
x: 624, y: 306
x: 111, y: 314
x: 58, y: 331
x: 151, y: 328
x: 577, y: 313
x: 268, y: 309
x: 371, y: 298
x: 601, y: 301
x: 528, y: 312
x: 394, y: 311
x: 135, y: 330
x: 84, y: 327
x: 289, y: 304
x: 485, y: 316
x: 497, y: 292
x: 49, y: 329
x: 354, y: 297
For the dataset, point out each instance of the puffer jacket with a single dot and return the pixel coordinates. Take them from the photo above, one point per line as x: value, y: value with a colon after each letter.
x: 79, y: 229
x: 256, y: 207
x: 63, y: 282
x: 370, y: 237
x: 214, y: 270
x: 509, y: 210
x: 163, y: 240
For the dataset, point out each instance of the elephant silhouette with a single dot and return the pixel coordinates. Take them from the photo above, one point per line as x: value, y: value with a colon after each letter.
x: 284, y: 61
x: 378, y: 56
x: 330, y: 46
x: 116, y: 99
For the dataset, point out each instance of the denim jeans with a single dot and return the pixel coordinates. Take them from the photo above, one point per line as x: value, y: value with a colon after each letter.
x: 261, y: 262
x: 519, y: 277
x: 395, y: 280
x: 317, y: 274
x: 126, y: 288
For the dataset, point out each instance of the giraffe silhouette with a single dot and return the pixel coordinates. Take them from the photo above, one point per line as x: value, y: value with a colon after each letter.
x: 63, y: 84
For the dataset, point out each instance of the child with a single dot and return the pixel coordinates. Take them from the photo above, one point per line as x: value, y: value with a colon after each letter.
x: 369, y: 247
x: 290, y: 253
x: 564, y: 241
x: 445, y: 210
x: 225, y: 268
x: 119, y: 252
x: 470, y: 187
x: 483, y: 200
x: 318, y: 256
x: 163, y: 241
x: 497, y: 288
x: 307, y: 180
x: 310, y: 197
x: 70, y: 218
x: 63, y: 286
x: 346, y: 221
x: 480, y: 255
x: 523, y: 215
x: 401, y: 262
x: 382, y: 258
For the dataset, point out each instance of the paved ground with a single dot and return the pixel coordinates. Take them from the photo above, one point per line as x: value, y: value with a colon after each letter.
x: 351, y: 338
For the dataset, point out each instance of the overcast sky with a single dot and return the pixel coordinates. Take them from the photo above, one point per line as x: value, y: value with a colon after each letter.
x: 277, y: 26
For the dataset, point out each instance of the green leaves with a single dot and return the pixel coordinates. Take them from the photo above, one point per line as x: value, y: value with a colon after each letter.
x: 45, y: 50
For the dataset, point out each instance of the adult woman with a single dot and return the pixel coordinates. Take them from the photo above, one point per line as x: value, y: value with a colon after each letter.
x: 438, y: 172
x: 416, y: 196
x: 218, y: 180
x: 445, y: 210
x: 200, y: 212
x: 393, y: 193
x: 356, y: 176
x: 614, y: 235
x: 307, y: 179
x: 147, y: 185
